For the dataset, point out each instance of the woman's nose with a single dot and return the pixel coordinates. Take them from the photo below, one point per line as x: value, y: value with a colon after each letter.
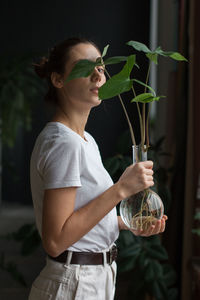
x: 96, y: 76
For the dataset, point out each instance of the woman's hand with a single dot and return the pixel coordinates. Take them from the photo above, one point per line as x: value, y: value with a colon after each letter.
x: 136, y: 178
x: 155, y: 228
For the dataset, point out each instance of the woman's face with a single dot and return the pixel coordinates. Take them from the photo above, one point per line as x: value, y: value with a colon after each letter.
x: 84, y: 90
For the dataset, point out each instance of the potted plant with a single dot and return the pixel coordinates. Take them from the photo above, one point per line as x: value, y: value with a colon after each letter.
x: 140, y: 210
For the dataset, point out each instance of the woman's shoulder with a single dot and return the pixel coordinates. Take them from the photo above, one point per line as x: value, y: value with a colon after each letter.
x: 55, y: 134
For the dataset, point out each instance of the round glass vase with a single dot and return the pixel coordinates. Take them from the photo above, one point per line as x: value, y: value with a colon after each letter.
x: 141, y: 210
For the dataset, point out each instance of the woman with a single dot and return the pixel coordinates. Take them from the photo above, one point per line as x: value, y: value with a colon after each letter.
x: 74, y: 197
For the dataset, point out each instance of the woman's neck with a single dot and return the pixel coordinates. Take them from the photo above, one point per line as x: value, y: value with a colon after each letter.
x: 72, y: 119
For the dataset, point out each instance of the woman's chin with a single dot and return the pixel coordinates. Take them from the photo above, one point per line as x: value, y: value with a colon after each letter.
x: 97, y: 102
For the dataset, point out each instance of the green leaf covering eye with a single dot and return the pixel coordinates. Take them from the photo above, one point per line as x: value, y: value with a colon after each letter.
x: 115, y: 60
x: 83, y: 68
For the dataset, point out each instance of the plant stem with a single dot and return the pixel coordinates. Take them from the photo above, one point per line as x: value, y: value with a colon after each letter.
x: 144, y: 111
x: 143, y: 125
x: 147, y: 125
x: 139, y: 113
x: 126, y: 114
x: 128, y: 120
x: 147, y: 78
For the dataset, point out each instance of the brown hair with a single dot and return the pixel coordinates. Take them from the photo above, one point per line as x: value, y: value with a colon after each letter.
x: 58, y: 57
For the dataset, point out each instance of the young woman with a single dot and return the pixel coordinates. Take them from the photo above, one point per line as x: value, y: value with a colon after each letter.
x: 74, y: 197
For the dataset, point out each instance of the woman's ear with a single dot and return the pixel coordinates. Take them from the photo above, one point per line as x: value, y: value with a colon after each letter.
x: 57, y: 80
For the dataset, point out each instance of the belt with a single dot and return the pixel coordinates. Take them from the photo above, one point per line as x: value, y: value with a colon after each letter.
x: 87, y: 258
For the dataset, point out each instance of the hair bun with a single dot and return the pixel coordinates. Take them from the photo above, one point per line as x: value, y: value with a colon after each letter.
x: 41, y: 69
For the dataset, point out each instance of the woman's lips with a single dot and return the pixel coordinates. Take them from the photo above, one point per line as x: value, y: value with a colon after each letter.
x: 95, y: 91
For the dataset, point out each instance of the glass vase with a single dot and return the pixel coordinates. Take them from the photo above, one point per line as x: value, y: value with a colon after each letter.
x: 141, y: 210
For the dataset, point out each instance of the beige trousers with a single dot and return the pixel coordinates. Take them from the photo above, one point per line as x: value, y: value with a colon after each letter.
x: 59, y: 281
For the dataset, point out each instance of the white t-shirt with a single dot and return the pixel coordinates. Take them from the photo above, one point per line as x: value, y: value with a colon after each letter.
x: 62, y: 158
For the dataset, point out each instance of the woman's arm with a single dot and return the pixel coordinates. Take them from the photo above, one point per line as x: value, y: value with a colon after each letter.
x: 62, y: 226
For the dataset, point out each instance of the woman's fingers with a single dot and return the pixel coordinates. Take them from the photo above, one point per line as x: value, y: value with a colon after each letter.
x: 148, y: 164
x: 163, y: 222
x: 165, y: 217
x: 136, y: 178
x: 149, y: 172
x: 156, y: 228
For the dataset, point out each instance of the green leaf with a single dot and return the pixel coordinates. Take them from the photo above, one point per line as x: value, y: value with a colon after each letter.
x: 146, y: 85
x: 115, y: 60
x: 157, y: 268
x: 158, y: 98
x: 149, y: 274
x: 152, y: 56
x: 163, y: 288
x: 173, y: 55
x: 152, y: 240
x: 105, y: 50
x: 153, y: 270
x: 119, y: 83
x: 83, y: 68
x: 169, y: 275
x: 143, y: 259
x: 126, y: 265
x: 157, y: 50
x: 157, y: 291
x: 143, y: 98
x: 132, y: 250
x: 158, y: 252
x: 146, y: 98
x: 114, y: 87
x: 139, y: 46
x: 125, y: 239
x: 176, y: 56
x: 126, y: 71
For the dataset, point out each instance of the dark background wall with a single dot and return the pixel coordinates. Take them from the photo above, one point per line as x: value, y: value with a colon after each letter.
x: 32, y: 27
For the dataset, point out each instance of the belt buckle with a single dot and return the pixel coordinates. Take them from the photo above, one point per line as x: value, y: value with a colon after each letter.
x: 113, y: 254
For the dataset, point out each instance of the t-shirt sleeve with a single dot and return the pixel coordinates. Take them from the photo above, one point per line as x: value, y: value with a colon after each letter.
x: 60, y: 164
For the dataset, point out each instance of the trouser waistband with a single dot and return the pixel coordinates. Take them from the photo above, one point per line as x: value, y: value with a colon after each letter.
x: 87, y: 258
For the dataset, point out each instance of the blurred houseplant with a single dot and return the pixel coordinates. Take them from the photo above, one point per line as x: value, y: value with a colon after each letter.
x: 19, y: 89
